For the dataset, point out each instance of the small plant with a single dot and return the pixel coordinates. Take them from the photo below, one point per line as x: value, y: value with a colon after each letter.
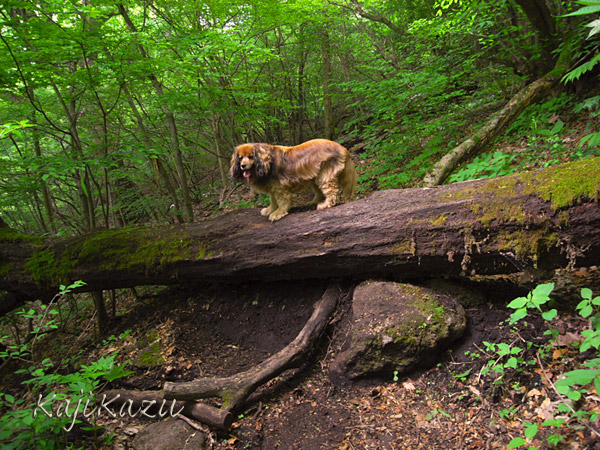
x: 32, y: 422
x: 571, y: 385
x: 488, y: 165
x: 534, y: 300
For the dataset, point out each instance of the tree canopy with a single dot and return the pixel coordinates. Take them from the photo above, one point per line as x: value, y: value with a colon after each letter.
x: 119, y: 113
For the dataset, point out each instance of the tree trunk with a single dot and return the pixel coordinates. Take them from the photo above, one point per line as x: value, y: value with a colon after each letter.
x: 170, y: 120
x: 327, y: 97
x: 542, y: 219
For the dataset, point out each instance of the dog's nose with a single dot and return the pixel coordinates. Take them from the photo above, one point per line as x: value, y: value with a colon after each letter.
x: 243, y: 166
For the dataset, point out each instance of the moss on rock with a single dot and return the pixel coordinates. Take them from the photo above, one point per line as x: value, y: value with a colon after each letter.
x: 397, y: 327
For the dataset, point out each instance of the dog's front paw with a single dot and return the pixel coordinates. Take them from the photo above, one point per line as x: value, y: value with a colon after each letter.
x: 276, y: 215
x: 265, y: 211
x: 325, y: 204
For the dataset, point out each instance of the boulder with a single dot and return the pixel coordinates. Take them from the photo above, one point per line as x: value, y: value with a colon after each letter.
x: 397, y: 327
x: 170, y: 434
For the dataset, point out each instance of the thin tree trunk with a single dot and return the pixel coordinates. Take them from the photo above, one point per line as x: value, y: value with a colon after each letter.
x: 158, y: 161
x: 327, y: 98
x: 170, y: 120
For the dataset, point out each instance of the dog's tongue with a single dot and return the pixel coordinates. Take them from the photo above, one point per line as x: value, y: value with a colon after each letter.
x: 246, y: 174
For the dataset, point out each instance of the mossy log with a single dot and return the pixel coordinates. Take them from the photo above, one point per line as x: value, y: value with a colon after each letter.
x: 543, y: 219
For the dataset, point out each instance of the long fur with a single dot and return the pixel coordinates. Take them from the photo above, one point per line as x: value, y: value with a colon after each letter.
x: 279, y: 171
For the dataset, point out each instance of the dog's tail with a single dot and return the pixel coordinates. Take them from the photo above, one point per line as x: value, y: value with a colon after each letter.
x: 348, y: 179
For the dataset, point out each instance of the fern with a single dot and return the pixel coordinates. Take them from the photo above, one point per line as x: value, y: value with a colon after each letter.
x: 580, y: 70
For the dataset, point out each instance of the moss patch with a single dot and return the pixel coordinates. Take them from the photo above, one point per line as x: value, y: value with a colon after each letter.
x: 566, y: 184
x: 493, y: 201
x: 7, y: 234
x: 562, y: 186
x: 114, y: 250
x: 527, y: 244
x: 49, y: 269
x: 134, y: 247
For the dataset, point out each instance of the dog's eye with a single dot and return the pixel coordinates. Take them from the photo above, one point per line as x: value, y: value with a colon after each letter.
x: 251, y: 157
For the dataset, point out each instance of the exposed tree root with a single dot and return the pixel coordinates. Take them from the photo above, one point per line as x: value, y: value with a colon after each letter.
x: 234, y: 390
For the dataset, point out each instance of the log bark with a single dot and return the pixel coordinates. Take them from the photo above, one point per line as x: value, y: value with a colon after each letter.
x: 545, y: 219
x: 476, y: 143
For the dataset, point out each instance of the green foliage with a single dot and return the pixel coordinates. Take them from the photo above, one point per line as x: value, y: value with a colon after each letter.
x: 34, y: 421
x: 487, y: 165
x: 534, y: 300
x: 572, y: 384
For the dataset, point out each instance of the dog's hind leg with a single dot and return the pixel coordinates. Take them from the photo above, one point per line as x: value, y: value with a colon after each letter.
x: 327, y: 182
x: 319, y: 197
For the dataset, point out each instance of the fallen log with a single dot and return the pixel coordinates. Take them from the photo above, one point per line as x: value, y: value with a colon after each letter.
x: 543, y: 219
x: 476, y: 143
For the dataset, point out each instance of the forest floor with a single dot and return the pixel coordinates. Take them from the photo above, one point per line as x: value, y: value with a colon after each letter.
x: 183, y: 333
x: 211, y: 332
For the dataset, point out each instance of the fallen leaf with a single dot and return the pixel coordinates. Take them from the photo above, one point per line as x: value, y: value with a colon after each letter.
x: 408, y: 386
x: 534, y: 393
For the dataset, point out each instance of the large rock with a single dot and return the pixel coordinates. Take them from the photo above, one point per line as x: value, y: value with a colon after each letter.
x: 170, y: 434
x: 397, y: 327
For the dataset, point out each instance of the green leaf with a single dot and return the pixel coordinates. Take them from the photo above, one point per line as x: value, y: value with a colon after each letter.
x: 516, y: 442
x: 591, y: 9
x: 580, y: 377
x: 586, y: 293
x: 531, y: 431
x: 503, y: 349
x: 518, y: 315
x: 586, y: 311
x: 549, y: 315
x: 518, y: 303
x: 542, y: 291
x: 512, y: 362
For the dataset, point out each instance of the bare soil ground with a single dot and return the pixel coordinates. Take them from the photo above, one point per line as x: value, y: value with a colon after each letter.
x: 222, y: 330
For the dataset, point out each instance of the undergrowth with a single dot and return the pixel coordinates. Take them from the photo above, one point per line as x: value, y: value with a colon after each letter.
x: 569, y: 372
x: 54, y: 397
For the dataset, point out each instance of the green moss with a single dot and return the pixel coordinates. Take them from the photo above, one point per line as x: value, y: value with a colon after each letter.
x: 49, y: 269
x: 438, y: 222
x: 151, y: 356
x: 566, y: 184
x: 134, y: 247
x: 7, y: 234
x: 5, y: 269
x: 492, y: 200
x: 527, y: 244
x: 403, y: 248
x: 562, y: 185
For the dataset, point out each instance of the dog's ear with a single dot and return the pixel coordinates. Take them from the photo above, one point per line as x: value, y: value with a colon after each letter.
x: 262, y: 160
x: 235, y: 172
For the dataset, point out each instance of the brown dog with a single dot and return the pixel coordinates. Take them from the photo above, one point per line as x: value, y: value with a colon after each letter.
x: 279, y: 171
